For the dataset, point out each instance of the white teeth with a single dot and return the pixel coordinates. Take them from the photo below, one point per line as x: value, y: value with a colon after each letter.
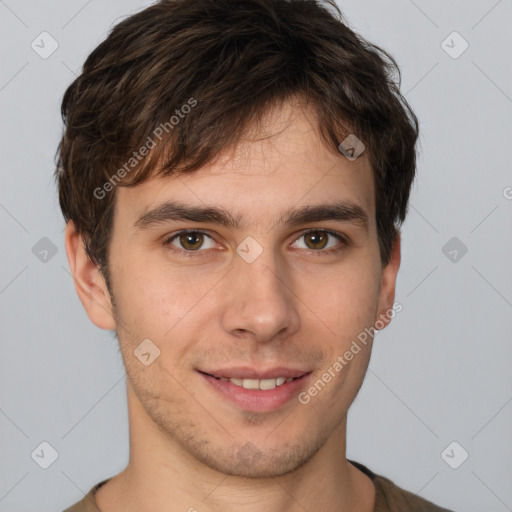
x: 251, y: 384
x: 262, y: 384
x: 268, y: 383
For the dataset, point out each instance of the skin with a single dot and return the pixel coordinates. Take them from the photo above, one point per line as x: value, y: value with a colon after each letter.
x: 289, y: 307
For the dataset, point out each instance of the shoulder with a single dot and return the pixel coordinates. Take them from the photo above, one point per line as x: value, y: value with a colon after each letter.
x: 88, y: 503
x: 389, y: 497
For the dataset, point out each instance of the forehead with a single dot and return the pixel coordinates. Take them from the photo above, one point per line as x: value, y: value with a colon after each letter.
x: 279, y: 163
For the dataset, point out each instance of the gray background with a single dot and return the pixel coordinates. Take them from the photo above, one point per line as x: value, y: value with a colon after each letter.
x: 439, y: 373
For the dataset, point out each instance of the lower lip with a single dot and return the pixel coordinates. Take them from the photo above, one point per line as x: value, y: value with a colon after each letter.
x: 258, y: 400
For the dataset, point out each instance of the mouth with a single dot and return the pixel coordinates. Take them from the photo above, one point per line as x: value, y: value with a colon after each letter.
x: 256, y: 394
x: 261, y: 384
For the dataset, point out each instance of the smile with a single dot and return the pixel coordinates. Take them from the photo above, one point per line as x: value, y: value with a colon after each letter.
x: 256, y: 395
x: 263, y: 384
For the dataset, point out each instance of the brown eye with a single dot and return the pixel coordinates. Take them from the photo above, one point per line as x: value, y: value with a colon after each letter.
x: 316, y: 239
x: 189, y: 242
x: 321, y: 242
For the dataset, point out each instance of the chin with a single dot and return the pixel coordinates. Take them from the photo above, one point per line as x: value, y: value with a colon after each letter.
x: 248, y: 461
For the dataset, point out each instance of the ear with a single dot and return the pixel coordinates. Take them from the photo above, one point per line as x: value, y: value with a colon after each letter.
x: 89, y: 282
x: 387, y: 287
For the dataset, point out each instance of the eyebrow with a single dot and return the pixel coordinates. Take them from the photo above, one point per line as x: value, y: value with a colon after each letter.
x: 343, y: 211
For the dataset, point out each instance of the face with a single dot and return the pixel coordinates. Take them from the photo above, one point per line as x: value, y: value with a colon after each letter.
x: 274, y: 294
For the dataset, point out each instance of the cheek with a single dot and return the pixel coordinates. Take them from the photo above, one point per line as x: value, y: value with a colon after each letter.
x: 158, y: 295
x: 164, y: 305
x: 346, y: 299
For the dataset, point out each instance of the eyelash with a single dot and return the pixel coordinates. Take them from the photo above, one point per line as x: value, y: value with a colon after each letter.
x: 321, y: 252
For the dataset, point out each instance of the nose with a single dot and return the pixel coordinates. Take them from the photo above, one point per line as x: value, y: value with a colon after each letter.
x: 258, y: 300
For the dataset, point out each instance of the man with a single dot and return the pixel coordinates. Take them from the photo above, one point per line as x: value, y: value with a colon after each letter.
x: 233, y: 174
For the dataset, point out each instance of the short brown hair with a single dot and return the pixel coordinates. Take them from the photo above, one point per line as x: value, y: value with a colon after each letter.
x: 228, y: 61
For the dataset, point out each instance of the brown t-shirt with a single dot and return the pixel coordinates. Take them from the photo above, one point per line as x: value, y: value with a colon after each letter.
x: 388, y: 497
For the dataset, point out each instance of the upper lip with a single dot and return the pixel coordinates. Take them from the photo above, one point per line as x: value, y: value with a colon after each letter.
x: 244, y: 372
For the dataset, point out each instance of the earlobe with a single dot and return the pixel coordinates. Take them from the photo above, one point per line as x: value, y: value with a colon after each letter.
x: 89, y: 282
x: 388, y: 284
